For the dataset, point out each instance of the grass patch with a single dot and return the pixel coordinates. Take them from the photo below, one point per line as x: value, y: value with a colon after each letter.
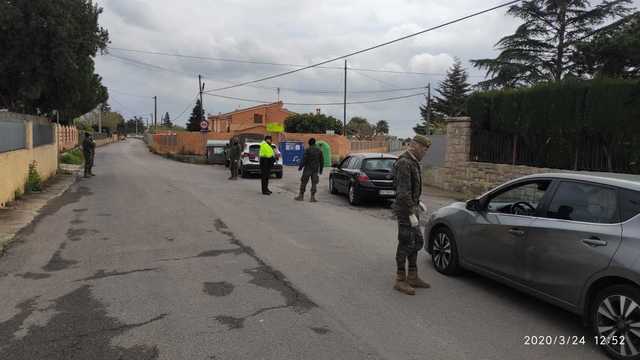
x: 73, y: 157
x: 34, y: 181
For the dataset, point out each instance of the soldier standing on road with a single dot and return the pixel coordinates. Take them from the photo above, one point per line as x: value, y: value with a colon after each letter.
x: 267, y: 158
x: 408, y: 181
x: 312, y: 163
x: 234, y: 157
x: 89, y: 151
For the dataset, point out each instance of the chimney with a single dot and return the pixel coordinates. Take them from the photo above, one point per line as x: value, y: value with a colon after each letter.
x: 317, y: 111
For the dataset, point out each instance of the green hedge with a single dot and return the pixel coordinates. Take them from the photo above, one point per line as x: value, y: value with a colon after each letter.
x: 582, y: 125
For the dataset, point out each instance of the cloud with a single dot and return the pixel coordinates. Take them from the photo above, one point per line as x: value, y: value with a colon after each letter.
x: 135, y: 12
x: 428, y: 63
x: 294, y: 32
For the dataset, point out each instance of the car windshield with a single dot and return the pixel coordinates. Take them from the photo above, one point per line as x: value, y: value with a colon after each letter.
x: 381, y: 165
x: 254, y: 149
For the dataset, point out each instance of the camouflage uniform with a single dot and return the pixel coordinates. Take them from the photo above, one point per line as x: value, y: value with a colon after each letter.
x: 408, y: 181
x: 312, y: 163
x: 234, y: 158
x: 88, y: 151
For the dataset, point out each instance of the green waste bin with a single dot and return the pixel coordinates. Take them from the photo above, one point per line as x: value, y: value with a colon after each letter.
x: 326, y: 152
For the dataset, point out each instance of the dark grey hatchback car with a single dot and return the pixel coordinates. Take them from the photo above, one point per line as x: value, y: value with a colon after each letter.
x: 570, y: 239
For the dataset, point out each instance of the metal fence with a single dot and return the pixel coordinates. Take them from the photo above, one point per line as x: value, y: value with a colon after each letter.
x: 42, y: 134
x: 588, y: 151
x: 12, y: 136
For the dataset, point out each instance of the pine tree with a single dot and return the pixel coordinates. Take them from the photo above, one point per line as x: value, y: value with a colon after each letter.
x: 166, y: 120
x: 197, y: 115
x: 453, y: 92
x: 543, y: 47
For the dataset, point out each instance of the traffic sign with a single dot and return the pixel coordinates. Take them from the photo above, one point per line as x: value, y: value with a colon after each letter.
x: 204, y: 125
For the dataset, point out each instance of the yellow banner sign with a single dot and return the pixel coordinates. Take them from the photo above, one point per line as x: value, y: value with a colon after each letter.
x: 275, y: 127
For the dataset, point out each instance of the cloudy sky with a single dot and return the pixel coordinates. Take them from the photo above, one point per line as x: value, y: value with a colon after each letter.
x: 289, y: 32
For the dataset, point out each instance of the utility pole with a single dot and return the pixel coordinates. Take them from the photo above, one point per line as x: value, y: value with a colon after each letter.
x: 100, y: 120
x: 155, y: 111
x: 345, y: 99
x: 201, y: 89
x: 135, y: 118
x: 278, y: 94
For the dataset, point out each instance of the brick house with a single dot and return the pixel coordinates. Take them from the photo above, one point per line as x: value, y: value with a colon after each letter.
x: 256, y: 118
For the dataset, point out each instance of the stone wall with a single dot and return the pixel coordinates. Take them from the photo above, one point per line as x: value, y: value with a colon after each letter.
x: 461, y: 175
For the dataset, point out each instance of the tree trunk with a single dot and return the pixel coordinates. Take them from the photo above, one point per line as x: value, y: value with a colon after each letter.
x: 562, y: 20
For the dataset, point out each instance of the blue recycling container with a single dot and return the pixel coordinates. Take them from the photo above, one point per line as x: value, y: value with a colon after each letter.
x: 292, y: 152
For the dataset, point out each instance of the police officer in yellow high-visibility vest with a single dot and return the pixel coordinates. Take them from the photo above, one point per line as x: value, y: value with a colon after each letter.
x: 267, y: 159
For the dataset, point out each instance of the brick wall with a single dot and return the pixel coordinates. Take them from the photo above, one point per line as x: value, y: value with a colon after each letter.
x: 67, y: 137
x: 460, y: 174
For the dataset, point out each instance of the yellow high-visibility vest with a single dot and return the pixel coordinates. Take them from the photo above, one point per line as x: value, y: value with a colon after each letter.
x: 266, y: 151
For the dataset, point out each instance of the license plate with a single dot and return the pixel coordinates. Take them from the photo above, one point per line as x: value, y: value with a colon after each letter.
x: 387, y: 192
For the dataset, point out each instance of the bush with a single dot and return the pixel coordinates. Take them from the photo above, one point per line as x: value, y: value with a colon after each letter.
x: 572, y: 124
x: 34, y: 181
x: 73, y: 157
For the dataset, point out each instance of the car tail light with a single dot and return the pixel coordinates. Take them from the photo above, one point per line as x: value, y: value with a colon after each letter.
x: 252, y: 156
x: 363, y: 178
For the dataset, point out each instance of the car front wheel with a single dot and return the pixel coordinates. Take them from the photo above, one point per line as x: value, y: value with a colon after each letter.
x: 615, y: 318
x: 444, y: 252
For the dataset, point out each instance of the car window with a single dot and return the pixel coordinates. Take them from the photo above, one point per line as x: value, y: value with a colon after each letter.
x: 355, y: 163
x: 584, y: 202
x: 380, y: 165
x: 254, y: 149
x: 345, y: 163
x: 522, y: 199
x: 629, y: 204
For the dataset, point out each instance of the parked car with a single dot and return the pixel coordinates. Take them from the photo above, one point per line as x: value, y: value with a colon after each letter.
x: 250, y: 160
x: 364, y: 177
x: 570, y: 239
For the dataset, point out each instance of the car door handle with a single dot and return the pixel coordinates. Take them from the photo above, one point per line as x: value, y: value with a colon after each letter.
x: 594, y: 242
x: 516, y: 232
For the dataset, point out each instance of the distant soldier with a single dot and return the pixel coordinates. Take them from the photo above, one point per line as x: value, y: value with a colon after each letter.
x: 408, y: 181
x: 88, y: 150
x: 267, y: 159
x: 234, y: 158
x: 312, y: 163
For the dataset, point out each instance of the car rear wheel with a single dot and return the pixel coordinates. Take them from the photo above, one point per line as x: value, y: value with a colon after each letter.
x: 279, y: 175
x: 354, y: 198
x: 332, y: 186
x: 243, y: 173
x: 615, y: 318
x: 444, y: 252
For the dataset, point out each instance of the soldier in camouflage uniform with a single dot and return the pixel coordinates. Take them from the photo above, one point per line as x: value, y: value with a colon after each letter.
x: 312, y: 163
x: 408, y: 181
x: 234, y: 158
x: 89, y: 152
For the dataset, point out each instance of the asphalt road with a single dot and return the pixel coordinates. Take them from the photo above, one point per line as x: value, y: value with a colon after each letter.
x: 155, y: 259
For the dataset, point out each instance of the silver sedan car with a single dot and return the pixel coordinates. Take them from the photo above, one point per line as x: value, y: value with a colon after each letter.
x: 570, y: 239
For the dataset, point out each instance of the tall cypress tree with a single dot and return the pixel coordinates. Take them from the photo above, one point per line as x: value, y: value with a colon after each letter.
x: 197, y: 115
x: 453, y: 91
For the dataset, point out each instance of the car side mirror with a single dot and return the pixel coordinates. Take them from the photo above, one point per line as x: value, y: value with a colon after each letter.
x: 474, y: 205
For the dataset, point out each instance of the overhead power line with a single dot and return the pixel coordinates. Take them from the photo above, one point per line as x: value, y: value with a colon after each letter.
x: 239, y: 61
x: 154, y: 67
x: 317, y: 104
x: 369, y: 48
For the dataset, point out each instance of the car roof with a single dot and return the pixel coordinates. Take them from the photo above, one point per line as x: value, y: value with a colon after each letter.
x: 374, y: 155
x: 627, y: 181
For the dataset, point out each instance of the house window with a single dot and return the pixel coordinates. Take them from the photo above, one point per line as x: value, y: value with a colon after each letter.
x: 257, y: 118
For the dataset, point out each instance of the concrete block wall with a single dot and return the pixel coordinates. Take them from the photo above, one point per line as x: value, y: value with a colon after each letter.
x: 14, y: 165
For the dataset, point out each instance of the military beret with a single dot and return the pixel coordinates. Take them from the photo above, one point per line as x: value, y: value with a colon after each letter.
x: 422, y: 140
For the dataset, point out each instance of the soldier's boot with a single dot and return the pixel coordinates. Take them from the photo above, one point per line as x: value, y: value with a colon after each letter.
x: 414, y: 280
x: 313, y: 198
x: 300, y: 197
x: 402, y: 285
